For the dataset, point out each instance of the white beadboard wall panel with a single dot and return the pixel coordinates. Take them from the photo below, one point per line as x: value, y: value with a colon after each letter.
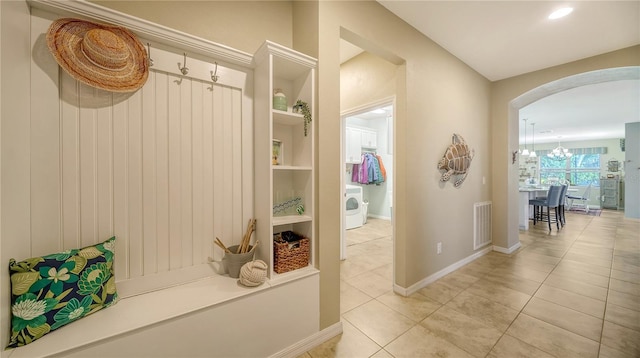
x: 120, y: 195
x: 185, y: 236
x: 104, y: 173
x: 133, y: 236
x: 45, y: 130
x: 161, y: 170
x: 69, y: 141
x: 149, y: 191
x: 161, y: 89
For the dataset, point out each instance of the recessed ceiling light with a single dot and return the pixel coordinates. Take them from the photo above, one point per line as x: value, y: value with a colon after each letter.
x: 560, y: 13
x: 378, y: 111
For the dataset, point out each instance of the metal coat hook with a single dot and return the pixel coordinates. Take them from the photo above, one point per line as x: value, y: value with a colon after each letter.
x: 149, y: 60
x: 184, y: 69
x: 214, y: 73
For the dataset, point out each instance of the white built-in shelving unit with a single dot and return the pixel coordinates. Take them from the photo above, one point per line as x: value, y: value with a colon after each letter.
x: 292, y: 175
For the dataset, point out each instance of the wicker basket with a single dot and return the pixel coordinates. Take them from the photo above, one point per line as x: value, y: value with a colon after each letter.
x: 289, y: 256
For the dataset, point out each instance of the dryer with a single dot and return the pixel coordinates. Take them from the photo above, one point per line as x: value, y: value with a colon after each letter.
x: 353, y: 210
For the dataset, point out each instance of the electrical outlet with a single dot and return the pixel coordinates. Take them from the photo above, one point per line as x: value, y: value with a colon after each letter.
x: 439, y: 248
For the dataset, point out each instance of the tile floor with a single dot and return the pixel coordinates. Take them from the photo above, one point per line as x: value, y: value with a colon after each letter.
x: 573, y: 293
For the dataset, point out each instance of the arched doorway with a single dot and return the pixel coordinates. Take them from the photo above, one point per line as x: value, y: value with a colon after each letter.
x: 550, y: 88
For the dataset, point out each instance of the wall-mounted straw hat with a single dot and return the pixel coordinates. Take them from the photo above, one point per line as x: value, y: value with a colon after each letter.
x: 107, y: 57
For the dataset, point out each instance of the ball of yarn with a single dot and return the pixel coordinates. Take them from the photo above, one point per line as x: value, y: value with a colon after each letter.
x: 253, y: 273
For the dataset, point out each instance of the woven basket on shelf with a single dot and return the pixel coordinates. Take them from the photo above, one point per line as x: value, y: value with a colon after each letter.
x: 288, y: 256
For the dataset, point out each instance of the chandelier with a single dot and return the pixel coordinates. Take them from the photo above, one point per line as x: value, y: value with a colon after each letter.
x: 559, y: 153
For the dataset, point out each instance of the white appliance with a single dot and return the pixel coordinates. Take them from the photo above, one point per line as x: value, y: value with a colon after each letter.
x: 353, y: 202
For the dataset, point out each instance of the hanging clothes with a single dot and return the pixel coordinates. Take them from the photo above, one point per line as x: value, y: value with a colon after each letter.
x: 382, y: 170
x: 369, y: 171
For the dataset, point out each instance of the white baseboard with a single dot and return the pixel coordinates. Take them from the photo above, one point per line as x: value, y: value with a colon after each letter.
x: 509, y: 250
x: 445, y: 271
x: 310, y: 342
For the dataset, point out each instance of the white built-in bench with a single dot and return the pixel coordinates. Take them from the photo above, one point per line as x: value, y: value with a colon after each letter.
x: 215, y: 316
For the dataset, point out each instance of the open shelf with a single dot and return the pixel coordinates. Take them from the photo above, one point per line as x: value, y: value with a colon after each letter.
x: 280, y: 188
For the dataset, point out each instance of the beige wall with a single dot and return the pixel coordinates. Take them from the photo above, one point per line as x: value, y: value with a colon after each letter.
x: 505, y: 132
x: 364, y: 79
x: 243, y: 25
x: 443, y: 96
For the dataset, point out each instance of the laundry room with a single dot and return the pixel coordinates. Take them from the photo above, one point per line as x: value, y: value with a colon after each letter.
x: 369, y: 166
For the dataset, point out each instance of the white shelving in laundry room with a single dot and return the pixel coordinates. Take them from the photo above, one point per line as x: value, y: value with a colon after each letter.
x: 284, y: 155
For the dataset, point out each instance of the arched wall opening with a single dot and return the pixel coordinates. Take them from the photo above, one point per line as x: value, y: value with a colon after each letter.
x: 547, y: 89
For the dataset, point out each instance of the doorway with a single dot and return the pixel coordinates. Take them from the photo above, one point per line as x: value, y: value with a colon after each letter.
x: 368, y: 174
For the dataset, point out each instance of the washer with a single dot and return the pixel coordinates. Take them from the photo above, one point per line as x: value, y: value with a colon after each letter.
x: 353, y: 202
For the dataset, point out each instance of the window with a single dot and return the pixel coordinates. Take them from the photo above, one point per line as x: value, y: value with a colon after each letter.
x: 579, y: 169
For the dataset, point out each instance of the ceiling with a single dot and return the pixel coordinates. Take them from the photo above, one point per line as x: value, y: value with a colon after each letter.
x: 502, y: 39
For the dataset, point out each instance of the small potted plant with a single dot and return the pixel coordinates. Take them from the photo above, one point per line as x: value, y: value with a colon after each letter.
x: 302, y: 107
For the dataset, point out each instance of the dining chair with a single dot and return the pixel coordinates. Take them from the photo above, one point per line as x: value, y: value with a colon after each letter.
x: 562, y: 202
x: 552, y: 201
x: 583, y: 199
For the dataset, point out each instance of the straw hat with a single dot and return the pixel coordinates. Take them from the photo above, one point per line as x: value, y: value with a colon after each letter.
x: 107, y: 57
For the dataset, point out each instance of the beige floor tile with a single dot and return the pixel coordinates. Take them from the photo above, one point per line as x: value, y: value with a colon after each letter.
x: 500, y: 294
x: 623, y: 316
x: 599, y: 245
x: 379, y: 322
x: 588, y: 259
x: 514, y: 282
x: 563, y: 317
x: 489, y: 312
x: 510, y: 347
x: 584, y: 277
x: 370, y: 283
x: 530, y: 263
x: 597, y: 292
x: 351, y: 297
x: 415, y: 307
x: 476, y: 269
x: 599, y: 253
x: 523, y: 271
x: 626, y: 259
x: 547, y: 251
x: 382, y: 354
x: 385, y: 271
x: 440, y: 291
x: 584, y: 304
x: 526, y: 255
x: 551, y: 339
x: 622, y: 266
x: 624, y: 286
x: 624, y: 300
x: 351, y: 343
x: 621, y: 338
x: 465, y: 332
x: 418, y: 342
x: 350, y: 268
x: 585, y: 267
x: 608, y: 352
x: 626, y: 276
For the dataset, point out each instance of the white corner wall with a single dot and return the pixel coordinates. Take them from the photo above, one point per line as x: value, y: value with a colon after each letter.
x: 632, y: 171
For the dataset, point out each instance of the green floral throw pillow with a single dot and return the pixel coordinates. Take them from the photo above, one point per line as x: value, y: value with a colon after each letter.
x: 51, y: 291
